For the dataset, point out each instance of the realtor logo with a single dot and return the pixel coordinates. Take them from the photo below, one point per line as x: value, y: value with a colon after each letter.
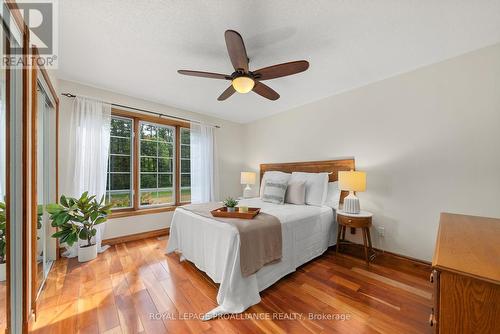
x: 40, y: 17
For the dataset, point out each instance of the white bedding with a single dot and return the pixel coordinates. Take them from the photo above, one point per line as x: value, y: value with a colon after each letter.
x: 214, y: 248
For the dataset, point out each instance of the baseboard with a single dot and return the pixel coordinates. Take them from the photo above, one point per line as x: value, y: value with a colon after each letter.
x: 397, y: 261
x: 137, y: 236
x: 405, y: 258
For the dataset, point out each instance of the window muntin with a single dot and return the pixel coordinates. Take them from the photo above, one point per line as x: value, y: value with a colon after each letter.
x: 156, y: 164
x: 119, y: 185
x: 185, y: 165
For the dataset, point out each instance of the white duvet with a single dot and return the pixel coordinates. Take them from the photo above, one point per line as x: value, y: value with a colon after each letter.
x: 214, y: 247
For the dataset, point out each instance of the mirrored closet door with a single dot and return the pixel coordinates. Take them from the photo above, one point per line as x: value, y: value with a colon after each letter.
x: 3, y: 194
x: 11, y: 175
x: 45, y: 134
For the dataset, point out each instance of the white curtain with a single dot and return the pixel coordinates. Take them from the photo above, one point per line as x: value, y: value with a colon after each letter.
x: 204, y: 169
x: 87, y: 156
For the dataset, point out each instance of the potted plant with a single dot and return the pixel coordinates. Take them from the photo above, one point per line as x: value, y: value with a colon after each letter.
x: 230, y: 203
x: 3, y: 242
x: 76, y: 219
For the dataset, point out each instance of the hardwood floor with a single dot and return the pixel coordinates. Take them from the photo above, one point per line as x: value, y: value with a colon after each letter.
x: 135, y: 288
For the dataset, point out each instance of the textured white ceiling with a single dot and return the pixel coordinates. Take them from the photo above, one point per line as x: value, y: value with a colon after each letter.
x: 136, y: 46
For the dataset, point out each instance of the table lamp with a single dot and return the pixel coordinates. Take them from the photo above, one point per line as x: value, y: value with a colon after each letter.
x: 248, y: 178
x: 352, y: 181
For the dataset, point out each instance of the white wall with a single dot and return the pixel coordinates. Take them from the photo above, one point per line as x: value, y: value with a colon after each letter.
x: 429, y: 141
x: 229, y: 144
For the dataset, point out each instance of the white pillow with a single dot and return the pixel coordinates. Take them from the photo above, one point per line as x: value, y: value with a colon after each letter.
x: 273, y: 176
x: 296, y: 193
x: 333, y: 195
x: 316, y: 186
x: 274, y: 192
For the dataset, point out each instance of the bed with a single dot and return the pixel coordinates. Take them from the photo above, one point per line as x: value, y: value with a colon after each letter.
x: 213, y: 247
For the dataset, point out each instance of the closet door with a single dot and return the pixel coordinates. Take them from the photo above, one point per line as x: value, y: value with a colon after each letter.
x: 3, y: 193
x: 44, y: 181
x: 44, y: 172
x: 13, y: 172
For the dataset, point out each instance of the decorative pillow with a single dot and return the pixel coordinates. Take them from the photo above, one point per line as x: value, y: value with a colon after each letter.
x: 296, y: 193
x: 280, y: 177
x: 274, y: 192
x: 333, y: 195
x: 316, y: 186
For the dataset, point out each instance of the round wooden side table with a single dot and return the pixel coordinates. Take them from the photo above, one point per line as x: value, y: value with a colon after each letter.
x: 362, y: 220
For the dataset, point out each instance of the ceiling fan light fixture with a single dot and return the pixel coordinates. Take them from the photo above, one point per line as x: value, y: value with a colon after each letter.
x: 243, y: 84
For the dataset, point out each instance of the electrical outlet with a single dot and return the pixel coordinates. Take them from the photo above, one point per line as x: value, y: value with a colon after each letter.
x: 381, y: 231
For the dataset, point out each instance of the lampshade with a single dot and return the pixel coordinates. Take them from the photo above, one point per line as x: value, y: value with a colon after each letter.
x: 352, y: 181
x: 248, y: 178
x: 243, y: 84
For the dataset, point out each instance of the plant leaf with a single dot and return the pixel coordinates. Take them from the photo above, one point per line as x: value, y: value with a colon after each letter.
x: 100, y: 220
x: 84, y: 234
x: 53, y: 208
x: 60, y: 233
x: 64, y: 201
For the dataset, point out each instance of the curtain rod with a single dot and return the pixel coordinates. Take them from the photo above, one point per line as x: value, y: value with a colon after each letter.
x: 70, y: 95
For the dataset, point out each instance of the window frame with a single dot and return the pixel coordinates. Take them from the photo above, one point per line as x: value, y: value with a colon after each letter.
x: 132, y: 154
x: 136, y: 208
x: 180, y: 165
x: 158, y: 173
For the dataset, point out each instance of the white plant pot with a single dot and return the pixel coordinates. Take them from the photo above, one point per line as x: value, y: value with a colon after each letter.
x: 86, y: 254
x: 231, y: 209
x: 3, y: 274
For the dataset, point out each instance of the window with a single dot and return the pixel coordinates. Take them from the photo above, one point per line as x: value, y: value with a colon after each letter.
x: 149, y: 163
x: 157, y: 164
x: 185, y: 165
x: 119, y: 189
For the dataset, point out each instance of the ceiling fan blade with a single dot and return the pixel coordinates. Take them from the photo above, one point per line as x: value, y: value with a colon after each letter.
x: 236, y: 50
x: 281, y: 70
x: 205, y: 74
x: 265, y: 91
x: 227, y: 93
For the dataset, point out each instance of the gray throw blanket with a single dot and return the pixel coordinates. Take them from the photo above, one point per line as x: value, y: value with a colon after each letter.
x: 260, y: 238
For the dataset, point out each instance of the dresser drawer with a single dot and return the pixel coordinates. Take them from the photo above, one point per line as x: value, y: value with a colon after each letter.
x: 354, y: 221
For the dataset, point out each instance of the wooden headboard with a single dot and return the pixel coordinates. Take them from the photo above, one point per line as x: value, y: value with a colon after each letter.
x: 328, y: 166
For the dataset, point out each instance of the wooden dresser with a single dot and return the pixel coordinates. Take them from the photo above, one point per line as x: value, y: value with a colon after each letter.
x: 466, y: 275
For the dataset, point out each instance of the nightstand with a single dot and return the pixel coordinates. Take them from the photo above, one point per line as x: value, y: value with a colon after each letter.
x: 361, y: 220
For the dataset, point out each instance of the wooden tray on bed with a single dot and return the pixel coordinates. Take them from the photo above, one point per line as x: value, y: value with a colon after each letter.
x: 223, y: 213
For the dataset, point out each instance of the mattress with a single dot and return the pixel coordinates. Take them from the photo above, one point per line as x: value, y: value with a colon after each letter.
x: 213, y: 247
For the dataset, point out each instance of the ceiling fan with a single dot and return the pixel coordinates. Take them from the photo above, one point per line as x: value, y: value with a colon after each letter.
x: 242, y: 79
